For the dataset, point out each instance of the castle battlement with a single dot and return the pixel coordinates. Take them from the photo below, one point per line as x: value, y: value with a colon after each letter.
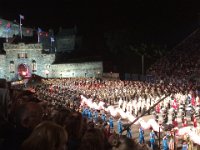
x: 22, y: 46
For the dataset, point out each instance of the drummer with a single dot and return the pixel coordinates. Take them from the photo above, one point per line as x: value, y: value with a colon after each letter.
x: 185, y: 122
x: 192, y: 112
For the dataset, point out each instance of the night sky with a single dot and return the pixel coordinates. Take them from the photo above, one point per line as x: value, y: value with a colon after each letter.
x: 166, y: 21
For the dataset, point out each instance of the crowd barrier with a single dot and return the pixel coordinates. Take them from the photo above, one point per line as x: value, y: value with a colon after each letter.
x: 111, y: 75
x: 139, y: 77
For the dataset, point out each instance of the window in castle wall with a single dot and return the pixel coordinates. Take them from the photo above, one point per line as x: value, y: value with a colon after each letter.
x: 34, y: 66
x: 22, y: 55
x: 12, y: 67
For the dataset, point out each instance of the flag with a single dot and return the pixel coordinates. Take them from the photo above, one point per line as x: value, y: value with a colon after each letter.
x: 52, y: 39
x: 39, y: 31
x: 8, y: 25
x: 21, y: 16
x: 7, y: 30
x: 20, y: 27
x: 27, y: 32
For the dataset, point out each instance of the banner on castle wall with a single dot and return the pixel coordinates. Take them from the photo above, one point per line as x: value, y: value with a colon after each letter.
x: 10, y: 28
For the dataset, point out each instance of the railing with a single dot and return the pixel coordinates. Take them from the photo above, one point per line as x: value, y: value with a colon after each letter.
x: 139, y: 77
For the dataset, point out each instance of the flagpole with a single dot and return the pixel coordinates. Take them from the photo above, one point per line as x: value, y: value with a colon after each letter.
x: 52, y: 40
x: 20, y: 28
x: 38, y: 35
x: 7, y: 30
x: 7, y: 36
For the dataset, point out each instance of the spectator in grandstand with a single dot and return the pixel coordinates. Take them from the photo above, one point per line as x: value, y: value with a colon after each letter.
x: 61, y: 116
x: 93, y: 139
x: 4, y: 99
x: 46, y: 136
x: 74, y: 127
x: 27, y: 116
x: 124, y: 143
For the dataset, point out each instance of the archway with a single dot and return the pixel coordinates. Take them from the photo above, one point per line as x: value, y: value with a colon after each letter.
x: 23, y: 70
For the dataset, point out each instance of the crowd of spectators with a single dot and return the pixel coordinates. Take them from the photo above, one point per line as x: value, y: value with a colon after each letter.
x: 182, y: 63
x: 58, y: 101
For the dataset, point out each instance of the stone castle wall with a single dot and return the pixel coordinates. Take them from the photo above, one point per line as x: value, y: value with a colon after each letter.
x: 2, y: 66
x: 44, y: 63
x: 32, y: 51
x: 86, y: 69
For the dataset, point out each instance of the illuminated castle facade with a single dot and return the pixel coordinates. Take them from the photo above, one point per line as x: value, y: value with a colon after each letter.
x: 24, y: 60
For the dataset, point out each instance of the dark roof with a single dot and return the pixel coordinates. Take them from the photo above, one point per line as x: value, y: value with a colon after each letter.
x: 66, y: 32
x: 75, y: 57
x: 26, y: 40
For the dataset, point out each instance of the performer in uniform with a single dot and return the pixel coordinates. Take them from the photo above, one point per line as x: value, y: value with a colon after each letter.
x: 184, y: 146
x: 95, y: 115
x: 155, y: 116
x: 192, y: 111
x: 165, y: 143
x: 89, y: 114
x: 194, y: 121
x: 152, y: 139
x: 111, y: 124
x: 129, y: 134
x: 175, y: 104
x: 185, y: 122
x: 141, y: 135
x: 157, y: 108
x: 103, y: 117
x: 165, y: 117
x: 119, y: 126
x: 175, y: 122
x: 182, y: 115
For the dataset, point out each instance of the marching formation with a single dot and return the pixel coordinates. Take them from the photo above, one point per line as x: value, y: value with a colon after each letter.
x: 132, y: 97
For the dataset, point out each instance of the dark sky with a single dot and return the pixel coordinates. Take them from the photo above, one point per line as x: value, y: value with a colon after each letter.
x: 156, y: 17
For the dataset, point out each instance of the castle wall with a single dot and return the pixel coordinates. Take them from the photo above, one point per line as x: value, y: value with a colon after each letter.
x: 2, y: 66
x: 26, y: 54
x: 13, y: 54
x: 44, y: 63
x: 86, y: 69
x: 66, y: 43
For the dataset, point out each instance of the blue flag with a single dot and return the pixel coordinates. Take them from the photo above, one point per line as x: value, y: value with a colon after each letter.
x: 39, y: 30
